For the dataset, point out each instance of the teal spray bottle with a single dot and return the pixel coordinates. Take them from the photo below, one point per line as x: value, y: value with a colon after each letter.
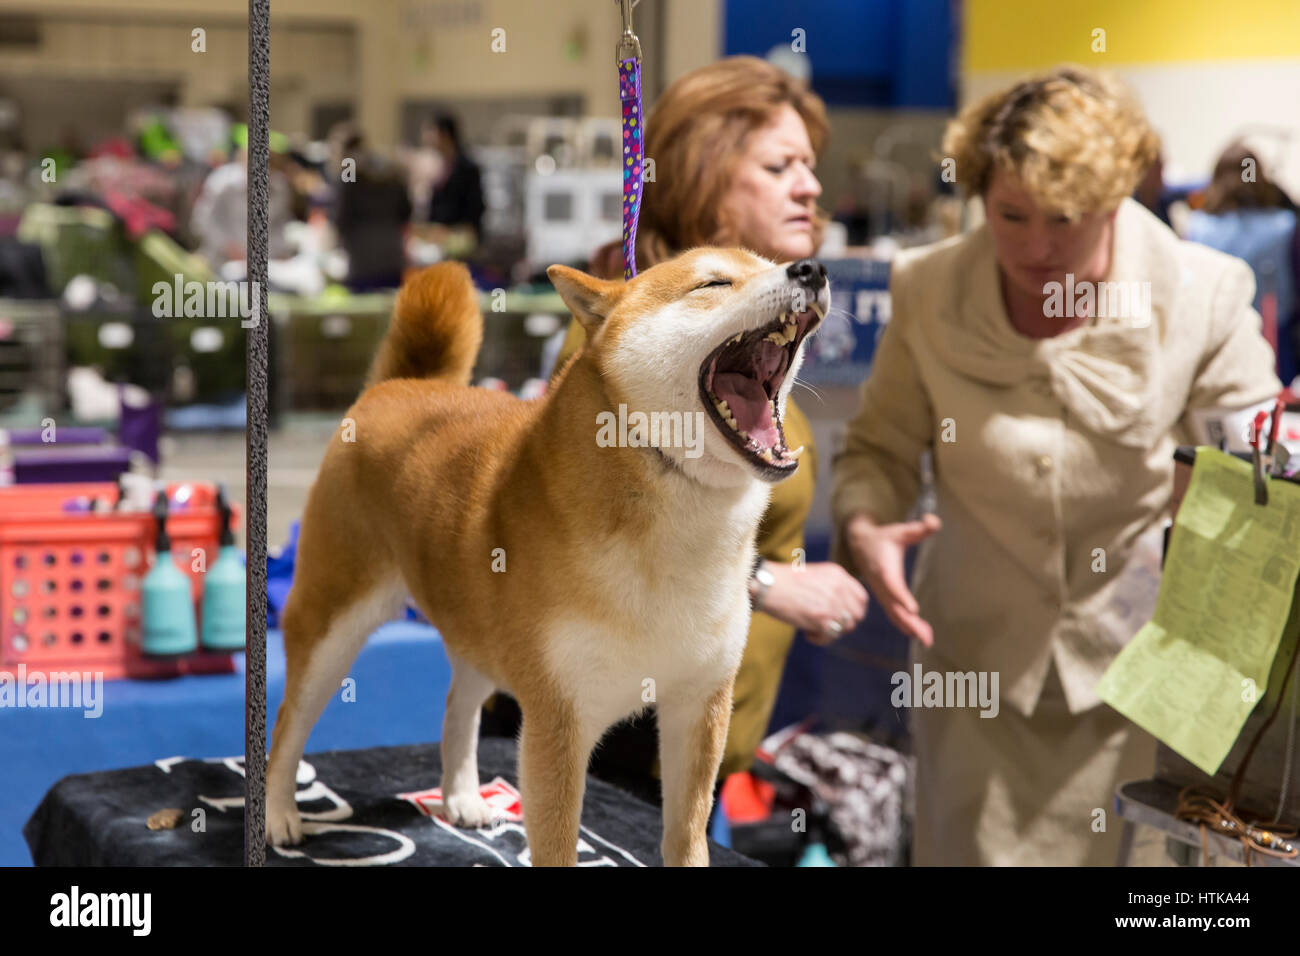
x: 815, y: 852
x: 167, y: 600
x: 224, y: 599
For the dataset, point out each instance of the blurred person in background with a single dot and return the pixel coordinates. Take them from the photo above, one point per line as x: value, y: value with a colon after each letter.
x: 1151, y: 192
x: 1240, y: 181
x: 371, y: 216
x: 1052, y: 434
x: 735, y: 144
x: 1246, y: 214
x: 219, y: 218
x: 425, y: 166
x: 457, y: 199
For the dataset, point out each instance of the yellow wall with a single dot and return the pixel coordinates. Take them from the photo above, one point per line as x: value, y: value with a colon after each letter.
x: 1030, y: 34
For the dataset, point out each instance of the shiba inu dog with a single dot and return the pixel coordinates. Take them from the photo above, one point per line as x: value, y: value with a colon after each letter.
x: 585, y: 578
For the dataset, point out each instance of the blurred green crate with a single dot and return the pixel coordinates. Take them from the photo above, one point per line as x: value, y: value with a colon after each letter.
x: 84, y: 240
x: 79, y: 240
x: 329, y: 356
x: 159, y: 258
x: 329, y: 343
x: 31, y: 359
x: 161, y: 346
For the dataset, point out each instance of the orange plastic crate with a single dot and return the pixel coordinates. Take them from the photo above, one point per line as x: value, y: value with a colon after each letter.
x: 70, y: 582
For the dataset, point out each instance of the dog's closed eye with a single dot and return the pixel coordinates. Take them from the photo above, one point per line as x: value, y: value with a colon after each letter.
x: 712, y: 283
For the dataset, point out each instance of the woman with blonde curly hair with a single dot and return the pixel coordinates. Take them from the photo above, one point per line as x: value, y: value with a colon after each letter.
x: 734, y: 145
x: 1048, y: 361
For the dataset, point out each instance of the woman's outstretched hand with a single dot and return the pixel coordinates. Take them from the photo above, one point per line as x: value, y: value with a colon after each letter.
x: 878, y: 553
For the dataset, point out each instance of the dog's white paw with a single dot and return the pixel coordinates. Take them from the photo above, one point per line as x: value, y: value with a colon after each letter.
x: 283, y: 825
x: 467, y: 810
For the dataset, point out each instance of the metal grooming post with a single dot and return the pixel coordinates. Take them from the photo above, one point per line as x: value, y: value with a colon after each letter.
x: 259, y: 157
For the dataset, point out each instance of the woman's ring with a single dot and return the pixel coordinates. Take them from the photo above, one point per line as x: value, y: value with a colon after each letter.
x: 834, y: 628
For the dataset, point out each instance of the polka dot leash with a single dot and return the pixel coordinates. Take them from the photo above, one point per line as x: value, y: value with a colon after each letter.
x: 629, y: 90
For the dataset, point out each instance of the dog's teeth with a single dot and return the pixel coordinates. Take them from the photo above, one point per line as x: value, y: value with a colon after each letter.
x: 776, y: 337
x: 736, y: 338
x: 791, y: 331
x: 821, y: 313
x: 796, y: 454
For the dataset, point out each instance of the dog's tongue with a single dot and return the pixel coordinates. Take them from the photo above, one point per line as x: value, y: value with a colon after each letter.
x: 744, y: 393
x: 748, y: 403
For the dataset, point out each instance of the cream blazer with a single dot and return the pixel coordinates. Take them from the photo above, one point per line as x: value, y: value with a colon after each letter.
x: 1053, y: 458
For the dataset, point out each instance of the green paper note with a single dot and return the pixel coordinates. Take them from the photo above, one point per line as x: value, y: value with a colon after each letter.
x: 1225, y: 598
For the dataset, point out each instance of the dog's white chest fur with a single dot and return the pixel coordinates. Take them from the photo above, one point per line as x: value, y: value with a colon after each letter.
x: 681, y: 620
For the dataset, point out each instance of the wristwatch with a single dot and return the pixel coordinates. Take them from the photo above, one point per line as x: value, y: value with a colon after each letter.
x: 760, y: 580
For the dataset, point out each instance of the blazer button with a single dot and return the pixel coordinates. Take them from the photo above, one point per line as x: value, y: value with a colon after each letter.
x: 1043, y: 465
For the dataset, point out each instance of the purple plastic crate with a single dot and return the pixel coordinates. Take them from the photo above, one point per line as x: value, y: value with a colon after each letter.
x: 62, y: 436
x: 73, y: 465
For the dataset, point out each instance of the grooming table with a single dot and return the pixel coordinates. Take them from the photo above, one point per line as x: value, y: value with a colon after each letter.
x: 373, y: 808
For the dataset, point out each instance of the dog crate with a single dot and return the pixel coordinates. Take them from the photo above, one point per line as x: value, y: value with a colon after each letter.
x: 188, y: 360
x: 31, y: 355
x: 327, y: 350
x: 70, y: 579
x: 79, y: 240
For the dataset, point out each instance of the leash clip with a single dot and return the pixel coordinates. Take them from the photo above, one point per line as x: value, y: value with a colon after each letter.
x: 629, y: 47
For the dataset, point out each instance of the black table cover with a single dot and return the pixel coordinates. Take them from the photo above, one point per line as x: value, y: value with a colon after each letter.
x: 367, y: 806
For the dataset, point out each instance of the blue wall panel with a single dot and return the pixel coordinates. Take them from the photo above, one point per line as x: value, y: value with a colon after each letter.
x: 883, y: 53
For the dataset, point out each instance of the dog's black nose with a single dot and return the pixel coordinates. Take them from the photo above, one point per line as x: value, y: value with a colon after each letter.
x: 807, y: 272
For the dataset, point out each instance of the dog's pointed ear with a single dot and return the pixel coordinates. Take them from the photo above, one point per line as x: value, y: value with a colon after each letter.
x: 590, y: 299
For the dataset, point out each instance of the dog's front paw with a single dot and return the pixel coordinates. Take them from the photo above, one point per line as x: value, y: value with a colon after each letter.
x: 283, y: 825
x: 467, y: 810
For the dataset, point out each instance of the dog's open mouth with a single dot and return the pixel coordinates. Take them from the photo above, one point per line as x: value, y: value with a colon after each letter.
x: 739, y: 383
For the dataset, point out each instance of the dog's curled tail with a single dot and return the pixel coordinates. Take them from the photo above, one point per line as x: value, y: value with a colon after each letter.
x: 436, y: 328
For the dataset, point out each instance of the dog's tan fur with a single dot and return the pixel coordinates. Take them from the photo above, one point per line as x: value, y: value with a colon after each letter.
x: 617, y: 567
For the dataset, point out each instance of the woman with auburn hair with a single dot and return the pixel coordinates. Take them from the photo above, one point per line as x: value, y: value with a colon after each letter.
x: 734, y: 146
x: 1052, y: 427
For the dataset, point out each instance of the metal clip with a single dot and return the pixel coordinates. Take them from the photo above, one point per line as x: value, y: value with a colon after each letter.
x: 629, y: 47
x: 1257, y: 459
x: 1276, y: 454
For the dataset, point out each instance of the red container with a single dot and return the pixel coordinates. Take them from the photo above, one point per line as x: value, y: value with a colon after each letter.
x: 70, y: 581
